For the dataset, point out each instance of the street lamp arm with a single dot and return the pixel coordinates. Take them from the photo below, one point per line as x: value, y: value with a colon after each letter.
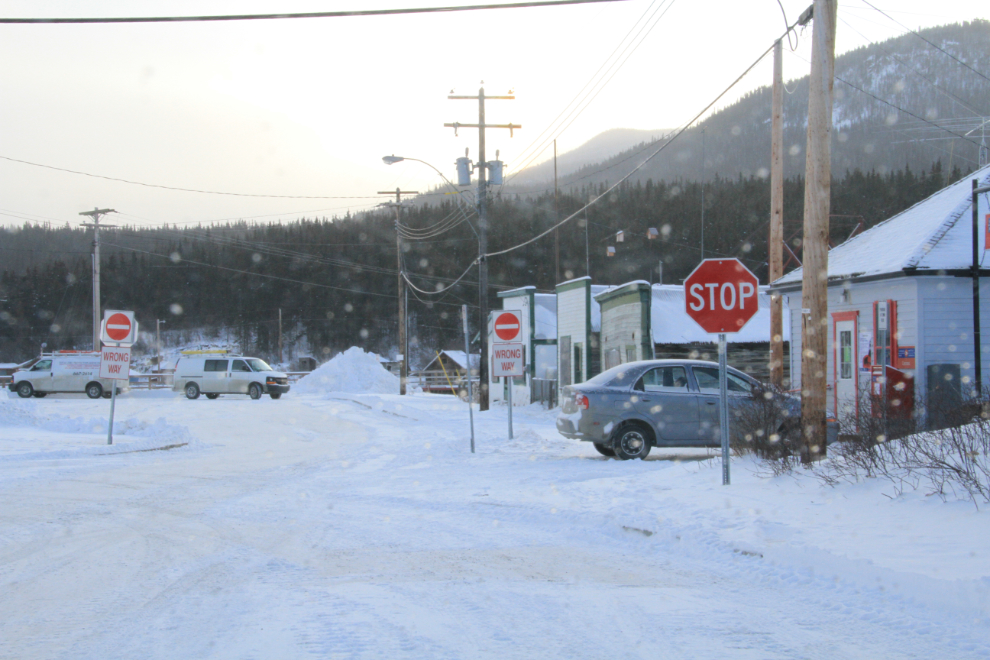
x: 391, y: 160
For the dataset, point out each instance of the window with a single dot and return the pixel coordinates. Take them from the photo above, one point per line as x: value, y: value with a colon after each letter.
x: 578, y: 363
x: 215, y: 365
x: 259, y: 365
x: 708, y: 381
x: 240, y: 365
x: 564, y: 374
x: 845, y: 354
x: 884, y: 331
x: 630, y: 353
x: 664, y: 379
x: 44, y: 365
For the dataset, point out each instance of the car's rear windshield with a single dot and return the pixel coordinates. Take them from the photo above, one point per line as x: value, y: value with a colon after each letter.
x: 624, y: 374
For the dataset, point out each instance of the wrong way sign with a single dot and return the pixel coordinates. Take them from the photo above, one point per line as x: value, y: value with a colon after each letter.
x: 508, y: 360
x: 507, y: 326
x: 115, y: 363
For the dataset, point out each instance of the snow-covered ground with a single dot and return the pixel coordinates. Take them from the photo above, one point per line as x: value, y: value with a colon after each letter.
x: 339, y: 525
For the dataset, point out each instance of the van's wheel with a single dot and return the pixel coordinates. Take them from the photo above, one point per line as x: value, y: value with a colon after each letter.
x: 254, y: 391
x: 25, y: 390
x: 40, y: 395
x: 632, y: 442
x: 94, y: 390
x: 275, y: 395
x: 212, y: 396
x: 605, y: 450
x: 192, y: 391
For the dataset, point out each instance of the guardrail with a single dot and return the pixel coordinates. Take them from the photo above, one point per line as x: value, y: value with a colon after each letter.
x: 440, y: 382
x: 150, y: 381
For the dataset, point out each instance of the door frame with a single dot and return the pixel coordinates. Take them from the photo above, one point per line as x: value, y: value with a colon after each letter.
x: 841, y: 317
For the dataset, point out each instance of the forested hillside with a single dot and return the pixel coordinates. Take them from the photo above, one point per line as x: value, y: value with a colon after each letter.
x: 335, y: 280
x: 897, y: 103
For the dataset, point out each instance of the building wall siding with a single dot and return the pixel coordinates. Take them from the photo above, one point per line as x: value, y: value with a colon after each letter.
x: 572, y: 321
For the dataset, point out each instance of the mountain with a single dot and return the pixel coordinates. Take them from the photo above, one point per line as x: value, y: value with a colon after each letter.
x: 897, y: 103
x: 599, y: 148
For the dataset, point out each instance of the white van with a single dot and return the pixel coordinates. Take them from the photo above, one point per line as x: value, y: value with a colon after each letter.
x: 218, y: 374
x: 63, y: 372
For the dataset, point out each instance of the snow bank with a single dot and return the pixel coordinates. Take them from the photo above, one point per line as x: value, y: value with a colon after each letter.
x: 352, y: 371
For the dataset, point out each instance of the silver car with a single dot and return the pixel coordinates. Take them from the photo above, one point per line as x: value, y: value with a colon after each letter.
x: 664, y: 403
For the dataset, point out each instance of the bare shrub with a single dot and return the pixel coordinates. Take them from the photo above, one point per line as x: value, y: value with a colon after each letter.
x: 766, y: 424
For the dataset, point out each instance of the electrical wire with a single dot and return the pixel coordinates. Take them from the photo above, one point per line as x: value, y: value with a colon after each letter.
x: 318, y: 14
x: 792, y: 46
x: 935, y: 46
x: 163, y: 187
x: 611, y: 72
x: 433, y: 293
x: 638, y: 167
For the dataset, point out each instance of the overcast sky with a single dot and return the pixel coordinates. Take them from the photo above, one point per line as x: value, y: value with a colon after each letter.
x: 309, y: 107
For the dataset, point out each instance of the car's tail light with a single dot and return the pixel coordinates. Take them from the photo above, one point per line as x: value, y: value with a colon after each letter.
x: 581, y: 401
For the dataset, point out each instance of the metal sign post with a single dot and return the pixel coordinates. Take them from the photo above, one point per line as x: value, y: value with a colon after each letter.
x: 115, y: 364
x: 467, y: 352
x: 723, y: 407
x: 721, y: 295
x: 508, y: 362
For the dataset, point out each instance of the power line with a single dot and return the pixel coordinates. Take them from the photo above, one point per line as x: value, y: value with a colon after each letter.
x: 638, y: 167
x: 935, y: 46
x: 318, y: 14
x: 192, y: 190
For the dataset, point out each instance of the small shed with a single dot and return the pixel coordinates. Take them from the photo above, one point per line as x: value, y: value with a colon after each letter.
x: 579, y: 328
x: 538, y: 337
x: 900, y: 295
x: 448, y: 372
x: 625, y: 325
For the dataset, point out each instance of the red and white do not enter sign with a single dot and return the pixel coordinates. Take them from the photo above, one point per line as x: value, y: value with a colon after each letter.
x: 118, y: 327
x: 507, y: 326
x: 721, y: 295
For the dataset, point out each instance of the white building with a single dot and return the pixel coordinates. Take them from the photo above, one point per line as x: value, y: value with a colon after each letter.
x: 579, y: 325
x: 539, y: 339
x: 901, y: 294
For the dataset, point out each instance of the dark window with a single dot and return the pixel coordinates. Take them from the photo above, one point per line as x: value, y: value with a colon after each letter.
x: 240, y: 365
x: 664, y: 379
x: 708, y: 381
x: 44, y: 365
x: 216, y: 365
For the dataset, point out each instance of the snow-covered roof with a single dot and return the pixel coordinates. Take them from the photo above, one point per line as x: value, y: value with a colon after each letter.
x: 9, y: 365
x: 596, y: 307
x: 934, y: 234
x: 672, y: 325
x: 459, y: 358
x: 546, y: 315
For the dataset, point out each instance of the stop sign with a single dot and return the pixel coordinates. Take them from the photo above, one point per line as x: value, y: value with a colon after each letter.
x: 118, y: 327
x: 507, y: 326
x: 720, y: 295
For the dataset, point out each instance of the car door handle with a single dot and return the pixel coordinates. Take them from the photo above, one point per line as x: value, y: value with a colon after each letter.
x: 711, y: 403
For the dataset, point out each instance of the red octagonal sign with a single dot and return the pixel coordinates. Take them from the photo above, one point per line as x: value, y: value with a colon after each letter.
x: 507, y: 326
x: 721, y: 295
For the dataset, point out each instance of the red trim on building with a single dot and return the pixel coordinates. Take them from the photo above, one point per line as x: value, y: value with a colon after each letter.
x: 839, y: 317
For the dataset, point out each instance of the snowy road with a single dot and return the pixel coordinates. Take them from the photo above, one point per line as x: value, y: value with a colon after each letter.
x: 359, y: 526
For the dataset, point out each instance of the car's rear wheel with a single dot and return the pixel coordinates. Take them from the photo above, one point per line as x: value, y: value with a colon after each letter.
x: 94, y: 390
x: 25, y: 390
x: 604, y: 450
x: 254, y: 391
x: 632, y: 441
x: 192, y: 391
x: 212, y: 396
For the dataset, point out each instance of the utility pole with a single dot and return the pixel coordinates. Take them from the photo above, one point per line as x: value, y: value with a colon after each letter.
x: 556, y: 219
x: 702, y: 194
x: 96, y: 214
x: 404, y: 366
x: 158, y: 343
x: 482, y: 229
x: 776, y: 243
x: 977, y: 353
x: 817, y: 188
x: 281, y: 357
x: 587, y: 249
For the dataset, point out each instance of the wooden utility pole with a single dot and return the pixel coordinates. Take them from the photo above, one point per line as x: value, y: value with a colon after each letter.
x: 280, y: 354
x: 556, y: 219
x: 817, y: 191
x: 482, y: 230
x: 776, y: 243
x: 96, y: 214
x: 158, y: 343
x: 404, y: 365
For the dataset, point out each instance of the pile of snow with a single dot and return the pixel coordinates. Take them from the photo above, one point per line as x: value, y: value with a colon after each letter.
x: 353, y: 371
